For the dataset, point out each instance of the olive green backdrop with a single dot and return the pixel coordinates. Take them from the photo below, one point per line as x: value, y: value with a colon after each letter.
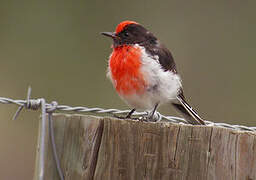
x: 55, y: 47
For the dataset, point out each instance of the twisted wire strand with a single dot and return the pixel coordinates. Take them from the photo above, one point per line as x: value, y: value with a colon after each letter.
x: 36, y: 103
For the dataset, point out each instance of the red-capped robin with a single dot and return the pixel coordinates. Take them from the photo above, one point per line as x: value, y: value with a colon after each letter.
x: 144, y: 73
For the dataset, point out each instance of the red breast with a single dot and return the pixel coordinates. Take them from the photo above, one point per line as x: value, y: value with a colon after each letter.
x: 125, y: 65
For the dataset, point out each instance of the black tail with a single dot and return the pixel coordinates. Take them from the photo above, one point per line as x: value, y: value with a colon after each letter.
x: 189, y: 114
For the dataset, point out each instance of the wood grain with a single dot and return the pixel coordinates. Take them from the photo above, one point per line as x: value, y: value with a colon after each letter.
x: 106, y: 148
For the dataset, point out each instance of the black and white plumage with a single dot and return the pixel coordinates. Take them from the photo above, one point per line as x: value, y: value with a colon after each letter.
x: 163, y: 83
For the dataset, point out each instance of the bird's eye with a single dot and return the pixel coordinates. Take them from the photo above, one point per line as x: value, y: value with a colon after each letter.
x: 126, y: 34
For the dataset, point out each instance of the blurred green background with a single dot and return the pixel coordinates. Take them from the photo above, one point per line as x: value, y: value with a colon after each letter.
x: 55, y: 47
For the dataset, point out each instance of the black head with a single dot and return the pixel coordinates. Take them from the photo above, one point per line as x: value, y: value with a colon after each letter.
x: 130, y: 33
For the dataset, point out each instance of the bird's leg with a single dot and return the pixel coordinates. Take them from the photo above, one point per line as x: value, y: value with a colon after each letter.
x: 128, y: 116
x: 151, y: 114
x: 130, y: 113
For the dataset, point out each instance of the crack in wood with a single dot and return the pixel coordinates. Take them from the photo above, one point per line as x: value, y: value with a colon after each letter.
x: 236, y: 150
x: 176, y: 145
x: 98, y: 138
x: 209, y: 152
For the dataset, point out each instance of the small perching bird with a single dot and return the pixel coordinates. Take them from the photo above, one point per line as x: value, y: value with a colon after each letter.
x: 144, y: 73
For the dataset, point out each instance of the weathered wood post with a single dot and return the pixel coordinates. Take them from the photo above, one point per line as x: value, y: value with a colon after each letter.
x: 105, y: 148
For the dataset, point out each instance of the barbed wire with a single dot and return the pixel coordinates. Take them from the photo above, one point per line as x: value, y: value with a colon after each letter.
x: 46, y: 108
x: 35, y: 104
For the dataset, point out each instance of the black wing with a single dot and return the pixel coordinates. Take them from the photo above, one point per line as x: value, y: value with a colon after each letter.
x: 164, y: 55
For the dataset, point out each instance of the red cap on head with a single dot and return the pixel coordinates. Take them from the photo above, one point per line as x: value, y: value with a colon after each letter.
x: 122, y: 25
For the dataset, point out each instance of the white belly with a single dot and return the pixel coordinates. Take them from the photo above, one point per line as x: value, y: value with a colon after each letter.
x: 162, y: 86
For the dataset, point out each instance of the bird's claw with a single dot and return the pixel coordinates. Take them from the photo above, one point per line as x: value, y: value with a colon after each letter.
x: 125, y: 117
x: 146, y: 118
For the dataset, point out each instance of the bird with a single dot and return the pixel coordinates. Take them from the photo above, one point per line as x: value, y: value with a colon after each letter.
x: 143, y: 72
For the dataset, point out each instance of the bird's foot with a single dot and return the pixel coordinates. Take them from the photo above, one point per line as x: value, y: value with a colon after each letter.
x: 128, y: 116
x: 141, y: 118
x: 152, y: 117
x: 125, y: 117
x: 147, y: 118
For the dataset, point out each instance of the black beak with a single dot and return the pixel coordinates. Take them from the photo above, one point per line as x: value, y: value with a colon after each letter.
x: 109, y: 34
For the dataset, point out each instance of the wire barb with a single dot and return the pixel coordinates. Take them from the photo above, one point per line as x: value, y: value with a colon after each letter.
x: 35, y: 104
x: 27, y: 104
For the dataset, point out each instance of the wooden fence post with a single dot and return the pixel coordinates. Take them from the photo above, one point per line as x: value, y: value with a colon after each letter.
x: 105, y: 148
